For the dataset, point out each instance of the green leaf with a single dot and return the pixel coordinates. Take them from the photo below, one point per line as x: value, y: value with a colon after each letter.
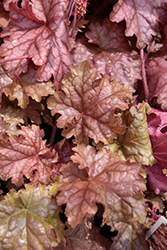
x: 27, y: 220
x: 136, y: 140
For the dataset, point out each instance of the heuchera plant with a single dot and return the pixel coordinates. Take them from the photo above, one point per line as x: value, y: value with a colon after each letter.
x: 83, y: 123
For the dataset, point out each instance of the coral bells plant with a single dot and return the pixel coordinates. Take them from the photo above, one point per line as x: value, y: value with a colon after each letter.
x: 83, y: 123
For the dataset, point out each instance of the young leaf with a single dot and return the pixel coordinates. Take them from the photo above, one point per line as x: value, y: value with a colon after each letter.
x: 101, y: 177
x: 136, y: 140
x: 27, y: 219
x: 143, y: 26
x: 24, y: 154
x: 38, y: 30
x: 87, y: 106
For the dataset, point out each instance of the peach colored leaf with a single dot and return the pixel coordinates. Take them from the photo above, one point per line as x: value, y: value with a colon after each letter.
x: 4, y: 17
x: 130, y: 237
x: 13, y: 117
x: 3, y: 128
x: 101, y: 177
x: 84, y: 236
x: 5, y: 80
x: 27, y: 220
x: 87, y: 106
x: 26, y: 154
x: 27, y: 86
x: 42, y: 38
x: 144, y: 26
x: 136, y: 140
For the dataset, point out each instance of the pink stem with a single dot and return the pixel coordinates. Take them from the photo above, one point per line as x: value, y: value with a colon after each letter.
x: 74, y: 21
x: 144, y: 74
x: 70, y: 8
x: 13, y: 59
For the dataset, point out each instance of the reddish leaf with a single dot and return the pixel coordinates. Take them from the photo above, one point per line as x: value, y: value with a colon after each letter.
x: 24, y: 154
x: 113, y: 56
x: 101, y: 177
x: 121, y: 67
x: 88, y: 106
x: 64, y: 150
x: 34, y: 112
x: 130, y: 236
x: 157, y: 181
x: 156, y: 68
x: 108, y: 36
x: 43, y: 38
x: 84, y: 236
x: 144, y: 26
x: 157, y: 125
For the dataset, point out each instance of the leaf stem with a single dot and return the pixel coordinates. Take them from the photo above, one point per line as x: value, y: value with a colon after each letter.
x: 146, y: 90
x: 13, y: 59
x: 74, y: 21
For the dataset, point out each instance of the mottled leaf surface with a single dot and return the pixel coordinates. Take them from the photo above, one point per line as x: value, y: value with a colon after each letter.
x: 27, y: 86
x: 12, y: 117
x: 24, y: 154
x: 27, y: 219
x: 101, y: 177
x: 84, y: 236
x: 108, y: 36
x: 130, y: 236
x: 87, y: 106
x: 136, y: 140
x: 110, y: 54
x: 144, y: 26
x: 38, y: 30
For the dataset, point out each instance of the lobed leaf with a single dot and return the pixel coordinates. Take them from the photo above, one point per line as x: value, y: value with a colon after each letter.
x: 27, y: 220
x: 26, y: 154
x: 87, y: 106
x: 143, y: 26
x: 27, y: 86
x: 84, y: 236
x: 38, y: 30
x: 101, y: 177
x: 111, y: 54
